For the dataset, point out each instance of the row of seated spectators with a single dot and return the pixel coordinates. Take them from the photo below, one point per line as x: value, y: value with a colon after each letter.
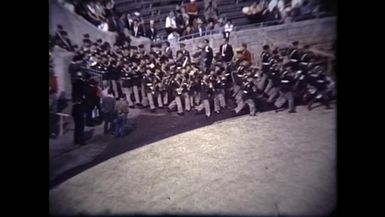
x: 283, y: 11
x: 183, y: 20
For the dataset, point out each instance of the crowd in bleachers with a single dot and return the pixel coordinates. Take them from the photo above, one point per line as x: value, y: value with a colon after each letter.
x: 282, y: 11
x: 188, y: 17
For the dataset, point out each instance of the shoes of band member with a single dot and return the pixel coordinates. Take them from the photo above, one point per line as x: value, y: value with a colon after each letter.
x: 181, y: 113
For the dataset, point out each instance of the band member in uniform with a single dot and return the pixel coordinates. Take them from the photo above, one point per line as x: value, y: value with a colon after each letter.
x: 184, y: 53
x: 167, y: 52
x: 186, y: 92
x: 144, y: 62
x: 294, y: 56
x: 267, y: 60
x: 275, y: 79
x: 247, y: 91
x: 318, y: 88
x: 136, y: 80
x: 205, y: 89
x: 219, y: 89
x: 176, y: 86
x: 149, y: 83
x: 158, y: 86
x: 286, y: 90
x: 127, y: 84
x: 305, y: 59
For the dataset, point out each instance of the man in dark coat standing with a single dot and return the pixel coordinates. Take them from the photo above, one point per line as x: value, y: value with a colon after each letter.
x: 226, y: 51
x: 78, y: 113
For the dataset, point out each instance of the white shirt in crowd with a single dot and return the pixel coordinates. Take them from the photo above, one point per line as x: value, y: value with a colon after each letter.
x: 272, y: 5
x: 170, y: 22
x: 229, y: 27
x: 104, y: 27
x: 173, y: 38
x: 296, y: 3
x: 281, y: 6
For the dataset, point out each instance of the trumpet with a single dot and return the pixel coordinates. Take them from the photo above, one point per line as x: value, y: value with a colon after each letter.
x: 179, y: 90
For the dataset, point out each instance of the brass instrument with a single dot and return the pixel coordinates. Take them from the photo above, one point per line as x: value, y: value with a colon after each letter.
x: 179, y: 90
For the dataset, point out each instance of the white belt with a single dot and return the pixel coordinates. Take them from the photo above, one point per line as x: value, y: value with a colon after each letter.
x: 293, y: 60
x: 266, y: 63
x: 304, y: 63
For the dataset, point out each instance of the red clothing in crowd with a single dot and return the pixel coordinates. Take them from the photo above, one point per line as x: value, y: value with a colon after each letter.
x: 192, y: 8
x: 246, y: 56
x: 53, y: 86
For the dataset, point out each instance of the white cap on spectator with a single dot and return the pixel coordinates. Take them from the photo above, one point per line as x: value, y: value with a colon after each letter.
x: 136, y: 13
x: 192, y: 0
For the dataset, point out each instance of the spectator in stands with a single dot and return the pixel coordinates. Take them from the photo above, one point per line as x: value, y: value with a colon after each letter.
x: 185, y: 16
x: 170, y: 24
x: 180, y: 23
x: 103, y: 25
x: 109, y: 8
x: 228, y: 28
x: 211, y: 13
x: 192, y: 11
x: 67, y: 4
x: 129, y: 23
x: 207, y: 55
x: 245, y: 54
x: 254, y: 12
x: 219, y: 24
x: 200, y: 29
x: 295, y: 10
x: 121, y: 24
x: 167, y: 51
x: 282, y: 9
x: 214, y: 3
x: 210, y: 27
x: 61, y: 39
x: 187, y: 32
x: 226, y: 51
x: 137, y: 30
x: 94, y: 13
x: 307, y: 8
x: 152, y: 33
x: 173, y: 37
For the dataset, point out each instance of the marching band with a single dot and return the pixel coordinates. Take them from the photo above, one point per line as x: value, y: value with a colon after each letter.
x: 158, y: 80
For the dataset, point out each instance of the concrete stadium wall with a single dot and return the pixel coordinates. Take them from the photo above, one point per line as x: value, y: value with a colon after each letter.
x: 318, y: 33
x: 61, y: 60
